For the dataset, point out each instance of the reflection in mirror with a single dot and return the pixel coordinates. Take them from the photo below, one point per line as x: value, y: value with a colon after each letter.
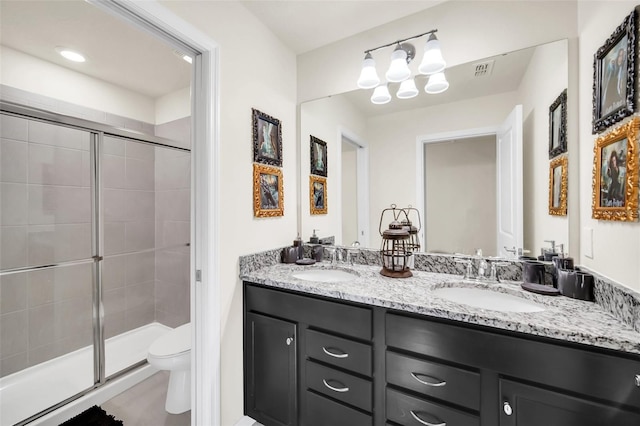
x: 481, y: 94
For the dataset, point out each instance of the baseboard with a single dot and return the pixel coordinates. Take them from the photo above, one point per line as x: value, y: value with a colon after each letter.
x: 247, y: 421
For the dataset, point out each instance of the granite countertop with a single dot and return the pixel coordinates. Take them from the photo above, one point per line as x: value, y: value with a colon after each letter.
x: 563, y: 318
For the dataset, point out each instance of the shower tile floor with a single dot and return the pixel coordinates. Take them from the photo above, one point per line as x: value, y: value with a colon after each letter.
x: 143, y: 404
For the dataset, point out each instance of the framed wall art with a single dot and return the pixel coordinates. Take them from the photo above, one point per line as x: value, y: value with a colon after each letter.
x: 318, y: 150
x: 558, y: 186
x: 558, y: 125
x: 615, y: 174
x: 614, y: 76
x: 268, y: 195
x: 267, y: 139
x: 318, y: 195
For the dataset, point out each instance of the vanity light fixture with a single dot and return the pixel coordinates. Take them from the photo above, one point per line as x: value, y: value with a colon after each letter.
x: 432, y: 64
x: 71, y: 55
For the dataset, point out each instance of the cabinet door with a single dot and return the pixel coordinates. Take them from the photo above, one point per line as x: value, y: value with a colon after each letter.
x: 524, y: 405
x: 270, y: 370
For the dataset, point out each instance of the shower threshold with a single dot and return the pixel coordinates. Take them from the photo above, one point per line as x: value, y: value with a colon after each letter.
x: 34, y: 389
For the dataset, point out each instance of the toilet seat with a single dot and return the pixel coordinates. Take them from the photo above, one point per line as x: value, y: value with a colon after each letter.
x: 173, y: 343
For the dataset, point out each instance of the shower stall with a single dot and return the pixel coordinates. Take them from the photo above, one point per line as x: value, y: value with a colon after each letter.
x: 94, y: 255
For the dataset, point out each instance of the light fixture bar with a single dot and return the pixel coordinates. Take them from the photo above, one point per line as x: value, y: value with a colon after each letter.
x: 400, y: 41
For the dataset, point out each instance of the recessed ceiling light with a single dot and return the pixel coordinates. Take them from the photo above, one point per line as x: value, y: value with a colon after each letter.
x: 70, y: 54
x: 184, y: 56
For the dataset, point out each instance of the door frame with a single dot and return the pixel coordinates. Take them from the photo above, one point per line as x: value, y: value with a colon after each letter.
x: 362, y: 184
x: 154, y: 18
x: 421, y: 143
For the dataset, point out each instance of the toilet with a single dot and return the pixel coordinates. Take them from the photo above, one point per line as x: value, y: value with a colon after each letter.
x: 172, y: 352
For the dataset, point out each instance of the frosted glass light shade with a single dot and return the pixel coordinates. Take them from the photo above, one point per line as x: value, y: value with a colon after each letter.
x: 380, y: 95
x: 437, y: 83
x: 399, y: 69
x: 407, y: 89
x: 432, y: 61
x: 368, y: 76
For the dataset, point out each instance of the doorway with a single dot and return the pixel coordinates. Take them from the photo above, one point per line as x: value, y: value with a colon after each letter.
x: 354, y: 178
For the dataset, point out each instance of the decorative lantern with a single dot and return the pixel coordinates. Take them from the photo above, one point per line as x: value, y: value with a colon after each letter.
x: 395, y: 252
x: 414, y: 241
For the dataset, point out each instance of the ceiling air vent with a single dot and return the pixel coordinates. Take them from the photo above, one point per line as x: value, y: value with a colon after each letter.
x: 483, y: 69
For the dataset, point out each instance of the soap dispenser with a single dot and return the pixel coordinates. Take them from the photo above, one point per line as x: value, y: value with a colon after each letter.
x: 314, y: 238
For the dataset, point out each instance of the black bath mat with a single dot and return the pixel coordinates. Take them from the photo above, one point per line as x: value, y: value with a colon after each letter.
x: 94, y: 416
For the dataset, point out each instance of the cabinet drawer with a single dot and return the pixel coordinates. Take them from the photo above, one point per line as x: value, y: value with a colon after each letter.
x: 410, y: 411
x: 343, y: 353
x: 582, y: 370
x: 435, y: 380
x: 344, y: 387
x: 321, y: 411
x: 340, y: 318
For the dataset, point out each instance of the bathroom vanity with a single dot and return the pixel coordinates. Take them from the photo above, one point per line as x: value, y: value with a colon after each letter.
x: 380, y: 351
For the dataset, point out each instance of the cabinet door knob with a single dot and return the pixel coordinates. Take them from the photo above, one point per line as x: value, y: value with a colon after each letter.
x: 342, y: 389
x: 435, y: 381
x: 638, y: 380
x: 507, y: 409
x: 289, y: 341
x: 335, y: 355
x: 424, y: 422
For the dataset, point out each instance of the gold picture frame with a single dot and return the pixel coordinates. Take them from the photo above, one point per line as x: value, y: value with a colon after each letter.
x: 558, y: 186
x: 318, y: 195
x: 268, y: 193
x: 615, y: 174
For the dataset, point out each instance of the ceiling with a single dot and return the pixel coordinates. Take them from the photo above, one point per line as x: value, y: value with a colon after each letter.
x: 125, y: 56
x: 152, y: 67
x: 305, y: 25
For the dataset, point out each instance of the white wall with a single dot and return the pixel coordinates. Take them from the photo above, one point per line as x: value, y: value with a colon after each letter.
x: 545, y: 79
x: 37, y: 76
x: 467, y: 30
x: 173, y: 106
x: 392, y: 141
x: 256, y: 71
x: 324, y: 119
x: 616, y: 245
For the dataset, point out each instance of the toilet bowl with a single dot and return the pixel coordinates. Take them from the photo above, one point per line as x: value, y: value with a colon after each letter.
x: 172, y: 352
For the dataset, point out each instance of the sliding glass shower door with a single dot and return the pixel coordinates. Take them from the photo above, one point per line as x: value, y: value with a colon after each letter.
x: 46, y: 253
x: 94, y: 256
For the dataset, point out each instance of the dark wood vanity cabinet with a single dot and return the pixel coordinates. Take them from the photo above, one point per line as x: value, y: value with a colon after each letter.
x: 355, y: 365
x: 332, y: 366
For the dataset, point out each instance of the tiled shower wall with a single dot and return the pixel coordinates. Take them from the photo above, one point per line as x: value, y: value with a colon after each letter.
x: 173, y: 183
x: 45, y: 217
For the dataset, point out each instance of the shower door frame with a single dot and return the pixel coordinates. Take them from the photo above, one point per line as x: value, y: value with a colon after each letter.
x: 154, y: 18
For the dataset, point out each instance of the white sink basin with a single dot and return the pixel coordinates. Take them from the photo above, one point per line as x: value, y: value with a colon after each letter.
x: 325, y: 275
x: 487, y: 299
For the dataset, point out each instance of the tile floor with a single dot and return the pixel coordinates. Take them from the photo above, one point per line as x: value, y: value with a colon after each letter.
x: 143, y: 404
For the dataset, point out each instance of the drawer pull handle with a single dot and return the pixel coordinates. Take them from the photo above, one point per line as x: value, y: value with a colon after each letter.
x: 436, y: 382
x: 335, y: 355
x: 343, y: 389
x: 424, y: 422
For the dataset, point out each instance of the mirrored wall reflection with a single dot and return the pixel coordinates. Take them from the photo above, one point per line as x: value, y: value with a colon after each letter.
x: 50, y: 269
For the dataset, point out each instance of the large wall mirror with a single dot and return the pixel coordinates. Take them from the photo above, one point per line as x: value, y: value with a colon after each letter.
x: 440, y: 154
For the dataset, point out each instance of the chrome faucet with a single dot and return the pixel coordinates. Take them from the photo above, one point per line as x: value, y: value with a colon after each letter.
x: 332, y: 250
x: 352, y: 251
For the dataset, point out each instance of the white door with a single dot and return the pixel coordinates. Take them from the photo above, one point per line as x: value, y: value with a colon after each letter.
x: 509, y: 182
